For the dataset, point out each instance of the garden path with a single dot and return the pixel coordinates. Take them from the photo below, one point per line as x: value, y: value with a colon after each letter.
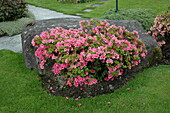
x: 89, y: 9
x: 13, y: 43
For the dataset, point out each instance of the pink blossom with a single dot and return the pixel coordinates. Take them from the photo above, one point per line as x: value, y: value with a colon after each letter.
x: 54, y: 57
x: 86, y: 73
x: 143, y: 55
x: 67, y: 98
x: 79, y: 105
x: 33, y: 42
x: 149, y: 32
x: 42, y: 65
x: 128, y: 89
x: 108, y: 102
x: 66, y: 61
x: 135, y: 32
x: 95, y: 56
x: 102, y: 57
x: 109, y: 61
x: 87, y: 77
x: 92, y: 71
x: 45, y: 41
x: 161, y: 43
x: 77, y: 99
x: 110, y: 76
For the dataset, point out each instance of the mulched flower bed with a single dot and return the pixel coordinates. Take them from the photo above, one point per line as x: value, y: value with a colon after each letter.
x: 52, y: 86
x: 104, y: 87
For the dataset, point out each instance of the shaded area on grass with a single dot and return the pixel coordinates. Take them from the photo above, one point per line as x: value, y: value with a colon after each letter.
x: 21, y: 91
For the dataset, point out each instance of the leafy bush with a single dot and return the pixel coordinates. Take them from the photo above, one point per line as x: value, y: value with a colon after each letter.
x: 144, y: 16
x: 74, y: 1
x: 96, y: 52
x: 12, y: 10
x: 11, y: 28
x: 161, y: 28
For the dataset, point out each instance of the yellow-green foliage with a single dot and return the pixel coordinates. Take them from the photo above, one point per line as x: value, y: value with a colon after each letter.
x: 156, y: 56
x: 14, y: 27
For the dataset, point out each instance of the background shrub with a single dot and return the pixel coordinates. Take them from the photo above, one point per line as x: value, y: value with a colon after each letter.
x: 161, y: 28
x: 12, y: 10
x: 144, y: 16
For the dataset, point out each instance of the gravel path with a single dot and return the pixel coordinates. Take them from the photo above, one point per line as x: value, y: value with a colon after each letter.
x: 14, y: 43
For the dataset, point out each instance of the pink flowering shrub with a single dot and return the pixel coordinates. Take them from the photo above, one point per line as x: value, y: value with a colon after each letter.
x: 161, y: 29
x: 97, y: 51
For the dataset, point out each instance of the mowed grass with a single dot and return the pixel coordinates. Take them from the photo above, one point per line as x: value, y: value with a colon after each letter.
x: 67, y: 8
x: 21, y: 92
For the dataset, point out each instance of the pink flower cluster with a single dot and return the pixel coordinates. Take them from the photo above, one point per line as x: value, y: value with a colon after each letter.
x: 79, y: 81
x: 161, y: 29
x: 90, y: 54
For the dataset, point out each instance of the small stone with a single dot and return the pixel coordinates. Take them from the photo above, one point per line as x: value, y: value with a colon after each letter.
x: 88, y: 10
x: 111, y: 87
x: 79, y: 14
x: 96, y: 5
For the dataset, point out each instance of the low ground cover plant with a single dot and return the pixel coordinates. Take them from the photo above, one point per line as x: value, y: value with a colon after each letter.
x: 11, y: 10
x: 144, y: 16
x: 11, y: 28
x: 97, y: 51
x: 13, y: 16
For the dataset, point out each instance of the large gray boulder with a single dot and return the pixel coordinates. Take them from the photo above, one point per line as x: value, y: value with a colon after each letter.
x: 36, y: 27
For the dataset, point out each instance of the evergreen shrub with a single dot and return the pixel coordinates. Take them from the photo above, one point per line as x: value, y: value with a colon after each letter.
x: 11, y: 10
x: 144, y: 16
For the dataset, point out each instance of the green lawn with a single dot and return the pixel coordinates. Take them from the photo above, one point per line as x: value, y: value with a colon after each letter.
x: 21, y: 92
x: 156, y: 5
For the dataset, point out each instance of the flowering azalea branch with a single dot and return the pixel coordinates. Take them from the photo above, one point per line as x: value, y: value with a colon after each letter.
x: 96, y: 51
